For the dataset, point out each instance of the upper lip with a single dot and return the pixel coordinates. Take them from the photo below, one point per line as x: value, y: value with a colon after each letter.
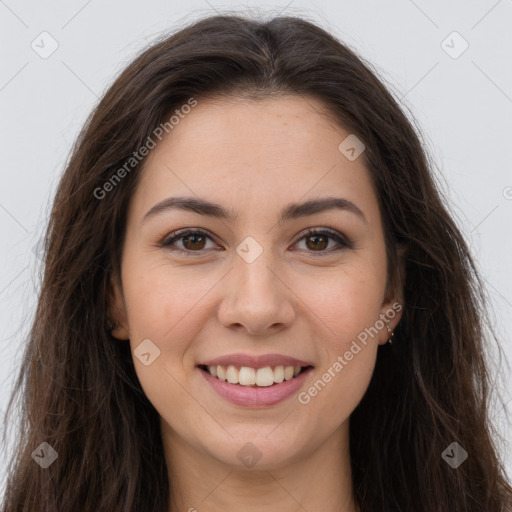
x: 255, y: 361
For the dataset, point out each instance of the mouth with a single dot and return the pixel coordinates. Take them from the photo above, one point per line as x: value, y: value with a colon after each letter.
x: 249, y: 377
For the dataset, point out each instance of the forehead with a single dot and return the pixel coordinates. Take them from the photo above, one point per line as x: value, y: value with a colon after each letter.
x: 254, y: 152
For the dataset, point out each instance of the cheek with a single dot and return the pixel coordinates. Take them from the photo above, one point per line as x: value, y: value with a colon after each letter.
x: 347, y: 302
x: 342, y: 380
x: 164, y: 305
x: 349, y: 309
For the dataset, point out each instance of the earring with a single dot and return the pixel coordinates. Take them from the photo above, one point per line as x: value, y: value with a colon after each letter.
x: 391, y: 333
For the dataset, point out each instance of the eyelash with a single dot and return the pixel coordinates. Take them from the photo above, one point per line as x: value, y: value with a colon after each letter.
x: 334, y: 235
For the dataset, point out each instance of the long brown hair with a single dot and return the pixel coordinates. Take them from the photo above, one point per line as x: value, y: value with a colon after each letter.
x: 78, y: 388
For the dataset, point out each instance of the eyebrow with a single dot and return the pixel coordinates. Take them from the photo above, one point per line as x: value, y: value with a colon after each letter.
x: 292, y: 211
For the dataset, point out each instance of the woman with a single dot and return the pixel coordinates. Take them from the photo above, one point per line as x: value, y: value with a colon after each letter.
x: 254, y: 297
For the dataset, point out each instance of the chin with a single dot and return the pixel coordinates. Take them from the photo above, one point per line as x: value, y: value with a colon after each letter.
x: 257, y: 451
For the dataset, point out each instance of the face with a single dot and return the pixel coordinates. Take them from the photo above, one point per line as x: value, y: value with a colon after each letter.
x: 266, y: 285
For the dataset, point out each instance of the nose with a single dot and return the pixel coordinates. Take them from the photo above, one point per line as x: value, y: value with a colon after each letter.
x: 256, y: 298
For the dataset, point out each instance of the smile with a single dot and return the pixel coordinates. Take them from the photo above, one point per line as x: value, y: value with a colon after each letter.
x: 254, y: 377
x: 275, y: 383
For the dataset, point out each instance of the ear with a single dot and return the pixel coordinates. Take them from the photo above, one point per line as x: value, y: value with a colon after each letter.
x: 117, y: 310
x: 393, y: 305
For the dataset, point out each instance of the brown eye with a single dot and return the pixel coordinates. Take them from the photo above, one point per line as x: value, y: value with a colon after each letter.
x: 192, y: 242
x: 318, y: 242
x: 187, y: 242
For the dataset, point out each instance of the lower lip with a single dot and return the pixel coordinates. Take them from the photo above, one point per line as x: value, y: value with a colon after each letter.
x: 257, y: 396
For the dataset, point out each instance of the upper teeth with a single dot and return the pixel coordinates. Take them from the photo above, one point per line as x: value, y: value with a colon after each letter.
x: 247, y: 376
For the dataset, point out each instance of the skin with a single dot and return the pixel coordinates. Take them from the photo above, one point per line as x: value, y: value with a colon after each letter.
x: 254, y: 157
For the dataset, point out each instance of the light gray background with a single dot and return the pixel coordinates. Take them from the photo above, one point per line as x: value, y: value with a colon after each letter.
x: 463, y: 106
